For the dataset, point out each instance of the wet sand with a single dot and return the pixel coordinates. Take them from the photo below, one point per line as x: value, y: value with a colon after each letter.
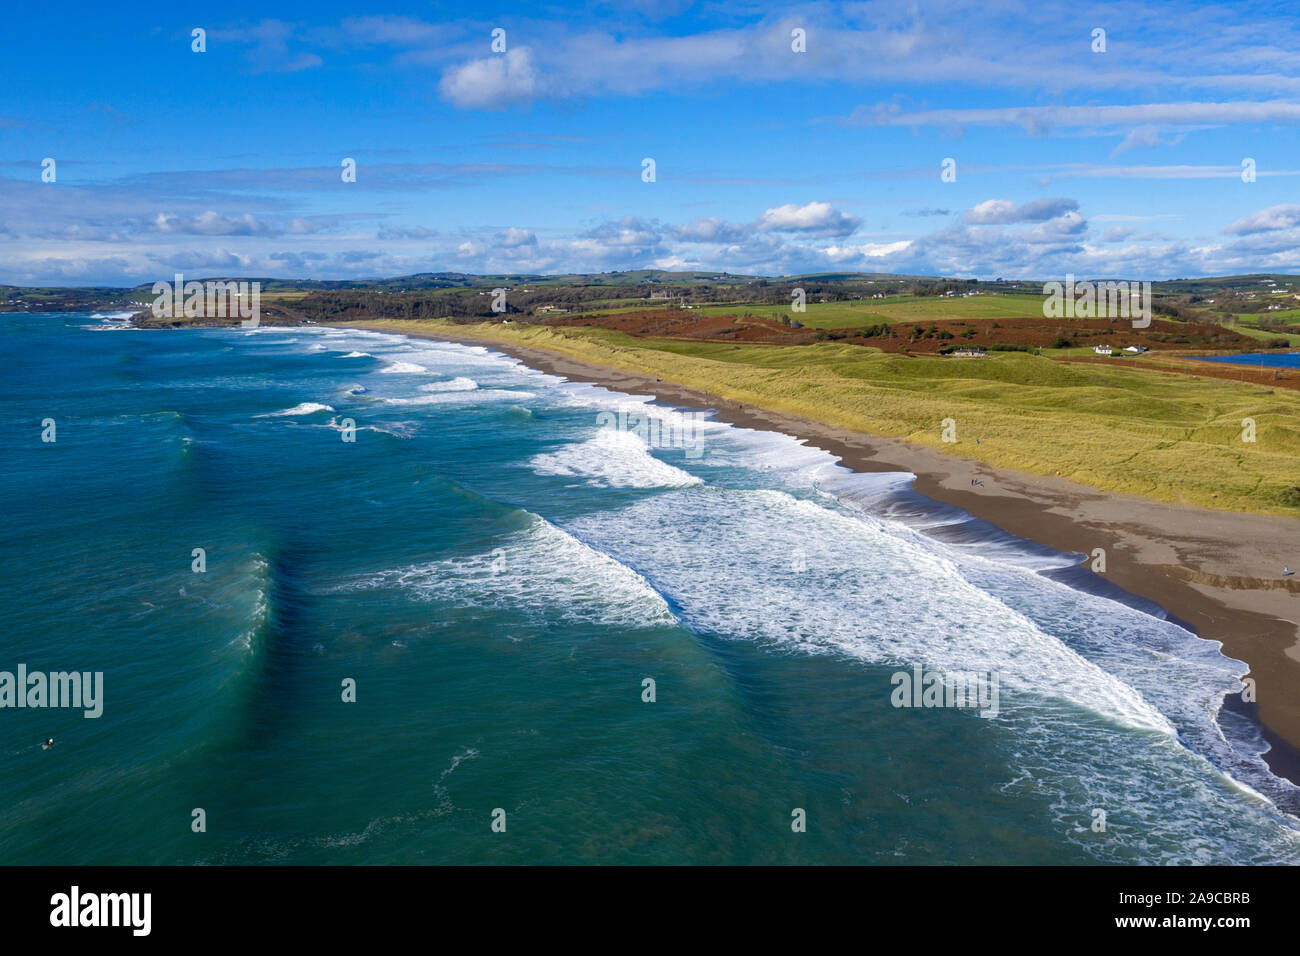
x: 1219, y: 572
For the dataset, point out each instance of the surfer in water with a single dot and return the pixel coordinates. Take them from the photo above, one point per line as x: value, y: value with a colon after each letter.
x: 48, y: 744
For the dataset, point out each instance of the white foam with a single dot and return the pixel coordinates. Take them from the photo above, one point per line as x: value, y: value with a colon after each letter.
x: 542, y: 573
x: 617, y: 459
x: 1102, y: 705
x: 729, y: 559
x: 476, y: 396
x: 401, y: 430
x: 458, y: 384
x: 783, y: 458
x: 358, y: 355
x: 403, y: 368
x: 305, y: 408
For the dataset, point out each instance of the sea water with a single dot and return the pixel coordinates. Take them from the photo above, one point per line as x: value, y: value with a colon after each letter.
x: 442, y: 614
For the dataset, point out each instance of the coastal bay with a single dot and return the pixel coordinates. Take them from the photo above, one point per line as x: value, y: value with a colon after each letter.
x: 1217, y: 571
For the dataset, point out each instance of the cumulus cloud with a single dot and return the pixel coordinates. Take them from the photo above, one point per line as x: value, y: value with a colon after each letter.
x: 814, y: 217
x: 211, y: 224
x: 1068, y: 225
x: 1266, y: 220
x: 1002, y: 211
x: 513, y: 238
x: 869, y: 250
x: 710, y: 230
x: 627, y: 232
x: 406, y: 232
x: 1035, y: 239
x: 493, y: 82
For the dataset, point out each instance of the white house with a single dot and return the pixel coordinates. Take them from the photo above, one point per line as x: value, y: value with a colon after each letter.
x: 1101, y: 349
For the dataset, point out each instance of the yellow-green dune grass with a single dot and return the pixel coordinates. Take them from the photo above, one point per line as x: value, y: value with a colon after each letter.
x: 1160, y: 435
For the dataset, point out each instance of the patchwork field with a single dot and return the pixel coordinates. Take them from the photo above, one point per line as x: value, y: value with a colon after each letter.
x: 749, y: 324
x: 842, y: 315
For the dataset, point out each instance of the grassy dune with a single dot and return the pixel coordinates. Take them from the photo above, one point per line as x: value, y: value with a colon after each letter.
x: 1120, y: 428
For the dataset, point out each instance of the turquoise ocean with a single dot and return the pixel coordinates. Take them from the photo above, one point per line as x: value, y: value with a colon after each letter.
x: 500, y: 572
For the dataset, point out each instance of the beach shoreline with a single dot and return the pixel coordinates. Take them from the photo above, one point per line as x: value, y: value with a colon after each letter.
x: 1218, y: 572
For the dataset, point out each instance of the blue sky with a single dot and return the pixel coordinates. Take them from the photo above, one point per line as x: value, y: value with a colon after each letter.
x: 1125, y: 163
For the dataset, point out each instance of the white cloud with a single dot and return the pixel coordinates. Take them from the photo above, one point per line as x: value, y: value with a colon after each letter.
x: 815, y: 217
x: 871, y: 250
x: 951, y: 43
x: 1144, y: 136
x: 1001, y: 211
x: 211, y: 224
x: 1039, y: 119
x: 512, y: 238
x: 493, y: 82
x: 1266, y: 220
x: 1062, y: 227
x: 709, y: 230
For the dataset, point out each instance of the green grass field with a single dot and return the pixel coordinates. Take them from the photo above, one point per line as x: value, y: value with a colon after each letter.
x: 1293, y: 338
x: 1117, y: 427
x: 608, y: 306
x: 1282, y: 315
x: 843, y: 315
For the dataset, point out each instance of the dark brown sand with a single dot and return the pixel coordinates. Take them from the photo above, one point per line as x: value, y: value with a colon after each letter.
x: 1217, y: 571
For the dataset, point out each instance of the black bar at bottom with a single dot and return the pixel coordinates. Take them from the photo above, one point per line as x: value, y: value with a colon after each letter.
x: 330, y: 905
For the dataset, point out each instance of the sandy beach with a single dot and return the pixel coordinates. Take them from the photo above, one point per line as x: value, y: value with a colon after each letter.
x: 1218, y: 572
